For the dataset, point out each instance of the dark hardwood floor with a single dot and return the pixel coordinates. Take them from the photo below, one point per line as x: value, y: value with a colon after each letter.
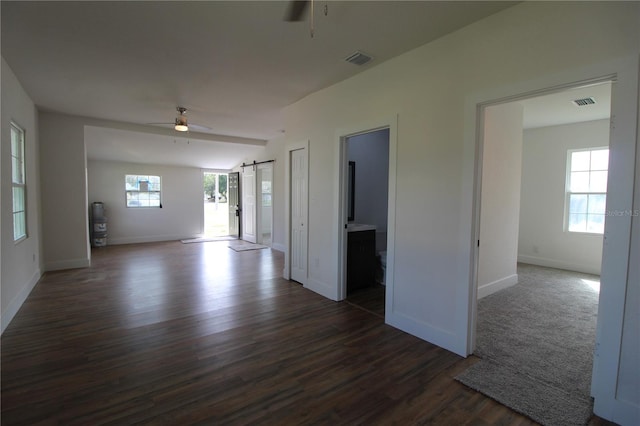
x: 370, y: 299
x: 178, y: 334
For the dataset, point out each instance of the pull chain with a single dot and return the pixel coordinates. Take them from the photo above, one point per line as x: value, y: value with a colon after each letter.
x: 311, y: 29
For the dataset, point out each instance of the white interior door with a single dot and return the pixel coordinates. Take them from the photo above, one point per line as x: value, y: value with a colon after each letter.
x: 249, y: 204
x: 299, y: 199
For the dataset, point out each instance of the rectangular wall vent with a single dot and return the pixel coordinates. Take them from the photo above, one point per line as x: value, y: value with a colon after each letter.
x: 584, y: 101
x: 358, y: 58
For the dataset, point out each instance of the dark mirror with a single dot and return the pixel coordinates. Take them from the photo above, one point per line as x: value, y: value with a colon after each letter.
x: 351, y: 191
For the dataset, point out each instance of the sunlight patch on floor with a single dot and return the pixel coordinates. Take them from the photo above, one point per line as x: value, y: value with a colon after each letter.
x: 593, y: 285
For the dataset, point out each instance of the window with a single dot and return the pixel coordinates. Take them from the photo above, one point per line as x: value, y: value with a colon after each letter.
x: 266, y: 193
x: 587, y: 190
x: 142, y: 191
x: 19, y: 186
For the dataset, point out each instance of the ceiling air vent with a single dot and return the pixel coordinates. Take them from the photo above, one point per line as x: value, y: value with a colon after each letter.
x: 584, y: 101
x: 358, y: 58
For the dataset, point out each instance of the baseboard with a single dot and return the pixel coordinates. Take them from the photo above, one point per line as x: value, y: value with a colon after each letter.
x: 322, y: 289
x: 279, y: 247
x: 67, y: 264
x: 17, y: 301
x: 147, y: 239
x: 559, y: 264
x: 616, y: 410
x: 492, y: 287
x: 443, y: 338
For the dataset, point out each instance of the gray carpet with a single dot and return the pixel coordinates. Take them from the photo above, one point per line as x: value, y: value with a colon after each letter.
x: 536, y: 342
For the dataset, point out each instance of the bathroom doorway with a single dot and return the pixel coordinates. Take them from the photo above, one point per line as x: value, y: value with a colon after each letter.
x: 367, y: 219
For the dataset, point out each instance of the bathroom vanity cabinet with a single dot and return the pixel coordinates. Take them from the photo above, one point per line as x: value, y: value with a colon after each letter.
x: 361, y: 257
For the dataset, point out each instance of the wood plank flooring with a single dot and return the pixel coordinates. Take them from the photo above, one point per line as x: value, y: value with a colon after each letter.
x: 370, y: 299
x: 177, y: 334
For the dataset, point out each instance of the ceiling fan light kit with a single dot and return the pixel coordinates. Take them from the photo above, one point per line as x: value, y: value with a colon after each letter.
x: 181, y: 120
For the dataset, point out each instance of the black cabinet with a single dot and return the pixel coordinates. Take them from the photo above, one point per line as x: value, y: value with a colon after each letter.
x: 361, y: 259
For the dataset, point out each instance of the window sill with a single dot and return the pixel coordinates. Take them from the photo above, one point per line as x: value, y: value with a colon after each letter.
x: 595, y: 234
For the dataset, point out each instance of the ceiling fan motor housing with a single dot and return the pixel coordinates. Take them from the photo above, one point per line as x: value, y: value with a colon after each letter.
x: 182, y: 120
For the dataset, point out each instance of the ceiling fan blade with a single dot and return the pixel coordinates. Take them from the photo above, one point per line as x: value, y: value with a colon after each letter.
x: 296, y: 10
x: 198, y: 128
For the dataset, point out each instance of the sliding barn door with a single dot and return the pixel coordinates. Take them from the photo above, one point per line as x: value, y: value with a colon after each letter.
x: 249, y: 204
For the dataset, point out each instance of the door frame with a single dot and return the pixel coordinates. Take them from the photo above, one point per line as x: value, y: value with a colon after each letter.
x: 239, y: 204
x: 340, y: 215
x: 616, y: 250
x: 218, y: 172
x: 286, y: 271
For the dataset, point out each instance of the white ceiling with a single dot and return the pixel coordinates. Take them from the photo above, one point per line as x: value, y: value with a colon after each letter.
x: 180, y: 149
x: 234, y: 65
x: 558, y: 108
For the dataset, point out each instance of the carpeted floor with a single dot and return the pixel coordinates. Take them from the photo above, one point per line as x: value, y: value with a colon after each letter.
x: 536, y: 342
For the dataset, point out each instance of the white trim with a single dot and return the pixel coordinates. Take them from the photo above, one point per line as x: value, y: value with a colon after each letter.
x: 149, y: 239
x: 59, y: 265
x: 324, y: 289
x: 560, y: 264
x: 340, y: 215
x: 425, y: 331
x: 624, y: 72
x: 497, y: 285
x: 617, y: 237
x: 279, y: 247
x: 286, y: 271
x: 624, y: 413
x: 12, y: 309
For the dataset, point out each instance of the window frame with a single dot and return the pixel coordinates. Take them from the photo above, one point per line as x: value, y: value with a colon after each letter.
x: 569, y: 192
x: 19, y: 182
x: 145, y: 190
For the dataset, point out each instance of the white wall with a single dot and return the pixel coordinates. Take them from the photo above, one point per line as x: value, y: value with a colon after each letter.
x: 427, y: 89
x: 65, y: 223
x: 500, y: 200
x: 21, y: 263
x: 182, y: 212
x: 370, y: 152
x: 543, y: 239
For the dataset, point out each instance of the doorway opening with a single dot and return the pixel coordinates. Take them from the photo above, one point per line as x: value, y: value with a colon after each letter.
x: 542, y: 182
x: 216, y: 205
x: 367, y: 206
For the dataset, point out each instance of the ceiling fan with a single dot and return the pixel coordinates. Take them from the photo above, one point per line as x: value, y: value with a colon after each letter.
x: 181, y: 124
